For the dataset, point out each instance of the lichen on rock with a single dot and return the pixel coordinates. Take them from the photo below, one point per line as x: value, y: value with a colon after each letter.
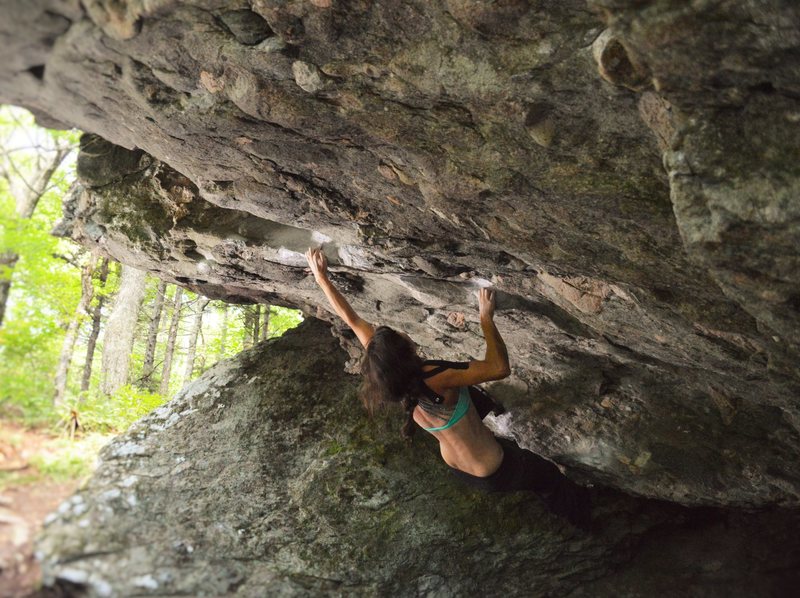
x: 265, y: 477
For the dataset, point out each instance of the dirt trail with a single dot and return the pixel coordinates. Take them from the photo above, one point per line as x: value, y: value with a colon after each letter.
x: 22, y: 511
x: 23, y: 508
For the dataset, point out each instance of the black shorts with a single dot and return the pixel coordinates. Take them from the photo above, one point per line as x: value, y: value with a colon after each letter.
x: 522, y: 470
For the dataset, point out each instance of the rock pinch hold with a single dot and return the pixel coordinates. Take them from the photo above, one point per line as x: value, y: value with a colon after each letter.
x: 307, y: 76
x: 615, y: 64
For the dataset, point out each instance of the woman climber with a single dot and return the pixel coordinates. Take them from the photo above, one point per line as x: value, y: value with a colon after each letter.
x: 436, y: 396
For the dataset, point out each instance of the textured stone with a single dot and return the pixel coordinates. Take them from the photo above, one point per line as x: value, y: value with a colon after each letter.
x: 307, y: 76
x: 246, y: 26
x: 646, y: 311
x: 731, y: 72
x: 264, y: 477
x: 614, y: 62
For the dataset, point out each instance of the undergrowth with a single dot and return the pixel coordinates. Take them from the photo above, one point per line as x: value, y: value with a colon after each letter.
x: 56, y: 459
x: 114, y: 413
x: 65, y: 451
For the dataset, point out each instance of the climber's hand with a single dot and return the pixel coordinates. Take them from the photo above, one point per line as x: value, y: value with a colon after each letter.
x: 486, y: 303
x: 317, y: 262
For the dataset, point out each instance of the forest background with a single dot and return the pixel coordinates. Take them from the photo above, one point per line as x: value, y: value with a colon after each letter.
x: 88, y: 345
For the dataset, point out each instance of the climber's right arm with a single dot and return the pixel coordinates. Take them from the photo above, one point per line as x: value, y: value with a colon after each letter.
x: 319, y: 267
x: 494, y: 366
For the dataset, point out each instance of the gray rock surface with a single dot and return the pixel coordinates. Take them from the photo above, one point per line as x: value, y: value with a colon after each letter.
x: 729, y: 73
x: 625, y: 173
x: 264, y: 477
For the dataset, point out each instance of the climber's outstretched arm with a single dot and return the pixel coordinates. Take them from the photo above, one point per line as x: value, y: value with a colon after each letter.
x: 494, y: 366
x: 319, y: 266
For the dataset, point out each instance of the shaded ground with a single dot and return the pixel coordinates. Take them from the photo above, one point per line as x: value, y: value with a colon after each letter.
x: 27, y: 495
x: 709, y: 552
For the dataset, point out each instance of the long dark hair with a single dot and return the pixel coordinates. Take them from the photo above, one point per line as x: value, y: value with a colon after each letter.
x: 392, y: 374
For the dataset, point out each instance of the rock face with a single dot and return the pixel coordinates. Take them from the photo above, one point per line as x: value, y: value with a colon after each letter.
x: 264, y: 477
x: 625, y: 175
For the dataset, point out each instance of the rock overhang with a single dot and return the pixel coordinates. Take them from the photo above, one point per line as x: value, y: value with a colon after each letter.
x: 437, y: 147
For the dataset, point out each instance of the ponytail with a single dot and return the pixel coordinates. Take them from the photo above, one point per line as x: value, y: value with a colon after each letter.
x: 392, y: 374
x: 408, y: 429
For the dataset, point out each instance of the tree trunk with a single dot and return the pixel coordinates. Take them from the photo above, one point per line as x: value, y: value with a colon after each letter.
x: 68, y: 346
x: 256, y: 323
x: 26, y: 196
x: 173, y: 333
x: 118, y: 340
x: 196, y: 326
x: 97, y: 314
x: 152, y: 336
x: 27, y: 191
x: 247, y: 332
x: 223, y: 338
x: 265, y: 325
x: 8, y: 259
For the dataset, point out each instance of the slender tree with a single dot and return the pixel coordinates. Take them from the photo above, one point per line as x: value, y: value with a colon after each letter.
x: 256, y: 323
x: 173, y: 334
x: 118, y: 340
x: 27, y: 189
x: 247, y: 330
x: 223, y: 337
x: 265, y: 325
x: 152, y: 335
x: 201, y: 362
x: 68, y: 346
x: 27, y: 186
x: 200, y: 355
x: 97, y: 314
x: 8, y: 260
x: 197, y: 325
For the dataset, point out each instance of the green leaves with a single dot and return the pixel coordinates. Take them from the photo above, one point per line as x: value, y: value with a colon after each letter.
x: 46, y: 288
x: 282, y: 319
x: 99, y: 413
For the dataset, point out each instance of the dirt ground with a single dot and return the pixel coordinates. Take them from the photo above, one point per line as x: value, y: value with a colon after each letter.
x: 26, y: 497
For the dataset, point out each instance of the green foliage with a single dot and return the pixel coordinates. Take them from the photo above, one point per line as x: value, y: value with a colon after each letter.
x: 19, y: 122
x: 26, y: 373
x: 98, y: 413
x: 282, y: 319
x: 69, y: 462
x: 59, y: 460
x: 45, y: 292
x: 49, y: 284
x: 45, y: 288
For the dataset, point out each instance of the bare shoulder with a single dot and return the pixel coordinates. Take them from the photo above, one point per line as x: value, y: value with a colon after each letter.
x: 476, y: 372
x: 364, y: 330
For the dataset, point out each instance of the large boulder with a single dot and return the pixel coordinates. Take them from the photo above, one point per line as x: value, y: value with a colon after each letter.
x: 264, y: 477
x: 625, y: 176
